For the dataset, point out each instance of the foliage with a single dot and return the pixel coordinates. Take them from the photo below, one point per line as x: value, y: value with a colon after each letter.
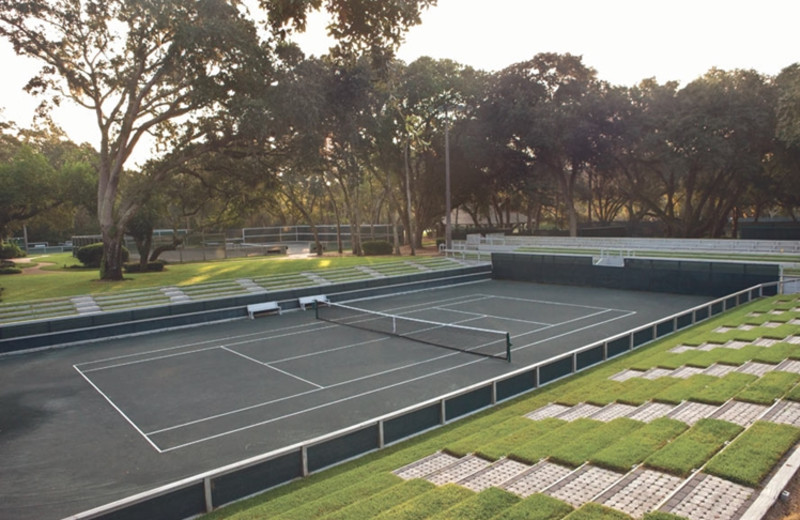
x: 377, y: 247
x: 536, y: 507
x: 692, y: 449
x: 632, y: 449
x: 92, y: 255
x: 752, y: 456
x: 592, y: 511
x: 10, y: 250
x: 576, y: 451
x: 723, y: 388
x: 658, y: 515
x: 769, y: 387
x: 10, y: 270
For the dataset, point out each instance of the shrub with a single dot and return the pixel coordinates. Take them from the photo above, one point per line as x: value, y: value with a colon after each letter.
x: 10, y: 270
x: 91, y: 255
x: 137, y: 268
x: 10, y: 250
x: 377, y: 247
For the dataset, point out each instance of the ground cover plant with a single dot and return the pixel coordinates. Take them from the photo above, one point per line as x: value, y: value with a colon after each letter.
x: 663, y: 444
x: 752, y: 455
x: 694, y: 447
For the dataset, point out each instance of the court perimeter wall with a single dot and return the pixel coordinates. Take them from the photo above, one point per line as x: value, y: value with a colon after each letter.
x: 700, y: 278
x: 19, y: 337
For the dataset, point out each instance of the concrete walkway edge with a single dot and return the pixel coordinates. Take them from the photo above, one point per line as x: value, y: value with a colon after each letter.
x: 774, y: 487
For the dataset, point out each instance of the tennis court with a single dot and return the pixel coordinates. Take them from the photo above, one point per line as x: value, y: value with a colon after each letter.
x: 114, y: 418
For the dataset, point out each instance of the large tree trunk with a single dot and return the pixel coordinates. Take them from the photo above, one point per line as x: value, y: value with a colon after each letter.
x: 111, y: 266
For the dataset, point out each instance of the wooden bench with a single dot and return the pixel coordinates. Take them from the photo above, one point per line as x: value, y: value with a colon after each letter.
x: 261, y: 308
x: 310, y: 300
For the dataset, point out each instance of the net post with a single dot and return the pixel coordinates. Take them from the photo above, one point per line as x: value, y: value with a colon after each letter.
x: 508, y: 347
x: 316, y: 309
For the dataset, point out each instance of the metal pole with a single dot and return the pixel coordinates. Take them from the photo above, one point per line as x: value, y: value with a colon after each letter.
x: 448, y: 232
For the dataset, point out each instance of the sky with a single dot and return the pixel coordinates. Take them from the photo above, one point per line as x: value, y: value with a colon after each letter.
x: 625, y: 41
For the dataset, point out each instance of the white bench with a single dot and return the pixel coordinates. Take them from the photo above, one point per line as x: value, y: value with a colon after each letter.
x: 310, y: 300
x: 258, y: 308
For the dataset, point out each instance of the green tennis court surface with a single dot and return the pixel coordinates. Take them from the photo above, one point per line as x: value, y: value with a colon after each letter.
x: 87, y: 425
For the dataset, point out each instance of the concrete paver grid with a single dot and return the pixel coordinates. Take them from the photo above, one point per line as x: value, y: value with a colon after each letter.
x: 785, y: 412
x: 743, y: 414
x: 686, y: 372
x: 651, y: 411
x: 495, y: 475
x: 691, y: 412
x: 755, y: 368
x: 539, y: 477
x: 657, y: 372
x: 458, y: 471
x: 640, y: 491
x: 612, y: 411
x: 790, y: 365
x: 426, y: 466
x: 623, y: 376
x: 545, y: 412
x: 706, y: 497
x: 719, y: 369
x: 583, y: 485
x: 579, y: 411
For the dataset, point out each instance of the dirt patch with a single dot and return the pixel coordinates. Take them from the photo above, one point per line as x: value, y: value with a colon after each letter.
x: 788, y: 509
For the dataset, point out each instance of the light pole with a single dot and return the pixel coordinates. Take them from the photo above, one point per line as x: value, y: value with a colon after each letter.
x: 448, y: 232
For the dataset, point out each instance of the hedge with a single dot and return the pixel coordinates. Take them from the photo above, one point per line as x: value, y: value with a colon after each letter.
x: 91, y: 255
x: 377, y: 247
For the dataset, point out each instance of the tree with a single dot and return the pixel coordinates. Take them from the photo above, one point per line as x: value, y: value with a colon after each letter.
x: 164, y: 68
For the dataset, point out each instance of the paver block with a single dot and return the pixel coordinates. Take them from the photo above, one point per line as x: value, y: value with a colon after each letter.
x: 789, y: 365
x: 773, y: 324
x: 794, y: 340
x: 736, y: 344
x: 785, y: 412
x: 719, y: 369
x: 583, y: 485
x: 686, y: 372
x: 746, y: 327
x: 706, y: 497
x: 743, y: 414
x: 640, y: 491
x: 723, y: 329
x: 612, y: 411
x: 691, y: 412
x: 756, y: 369
x: 651, y: 411
x: 625, y: 375
x: 578, y: 411
x: 705, y: 347
x: 551, y: 410
x: 538, y: 477
x: 426, y: 466
x: 765, y: 342
x: 680, y: 349
x: 458, y: 471
x: 655, y: 373
x: 494, y: 475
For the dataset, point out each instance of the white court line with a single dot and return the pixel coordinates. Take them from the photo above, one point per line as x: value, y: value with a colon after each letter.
x: 147, y: 360
x: 307, y: 392
x: 554, y: 303
x: 630, y: 313
x: 318, y: 407
x: 479, y: 316
x: 226, y: 349
x: 115, y: 407
x: 314, y: 326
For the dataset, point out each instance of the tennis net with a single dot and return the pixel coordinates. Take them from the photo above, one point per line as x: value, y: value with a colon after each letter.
x: 483, y: 342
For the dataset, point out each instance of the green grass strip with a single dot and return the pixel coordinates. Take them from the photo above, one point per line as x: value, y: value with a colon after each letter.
x: 574, y: 452
x: 592, y: 511
x: 637, y: 391
x: 726, y: 355
x: 658, y: 515
x: 723, y: 389
x: 505, y: 445
x: 769, y: 387
x: 752, y: 456
x: 601, y: 394
x: 692, y: 449
x: 483, y: 506
x: 382, y: 501
x: 683, y: 390
x: 634, y: 448
x: 427, y: 504
x: 794, y: 394
x: 341, y: 498
x: 537, y: 507
x: 472, y: 443
x: 541, y: 447
x: 777, y: 353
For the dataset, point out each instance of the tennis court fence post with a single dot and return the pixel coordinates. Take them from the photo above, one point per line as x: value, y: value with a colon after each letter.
x: 508, y: 347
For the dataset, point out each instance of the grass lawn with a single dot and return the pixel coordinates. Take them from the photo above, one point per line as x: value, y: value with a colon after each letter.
x: 66, y: 278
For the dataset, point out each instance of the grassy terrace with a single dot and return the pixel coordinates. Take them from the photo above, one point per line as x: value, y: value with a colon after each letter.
x: 366, y: 488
